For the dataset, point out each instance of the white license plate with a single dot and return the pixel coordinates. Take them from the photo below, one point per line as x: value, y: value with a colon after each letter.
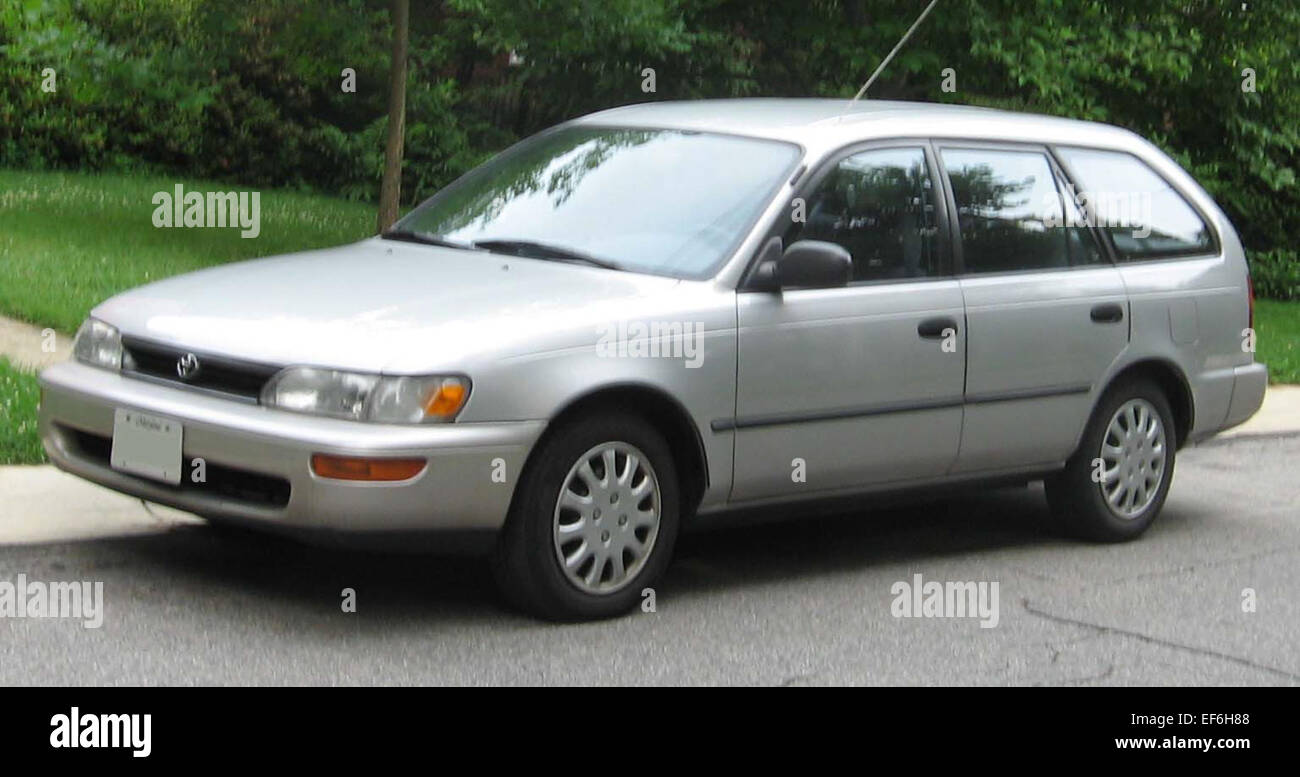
x: 147, y: 445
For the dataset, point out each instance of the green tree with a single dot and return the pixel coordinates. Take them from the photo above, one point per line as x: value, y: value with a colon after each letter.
x: 390, y: 189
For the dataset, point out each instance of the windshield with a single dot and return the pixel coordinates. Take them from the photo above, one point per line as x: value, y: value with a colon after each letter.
x: 658, y: 201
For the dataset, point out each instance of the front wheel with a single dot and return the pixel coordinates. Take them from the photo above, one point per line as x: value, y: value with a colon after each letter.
x: 594, y: 521
x: 1113, y: 487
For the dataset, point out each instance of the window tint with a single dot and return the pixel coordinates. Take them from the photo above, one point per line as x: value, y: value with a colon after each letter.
x: 1144, y: 216
x: 1011, y: 214
x: 878, y: 205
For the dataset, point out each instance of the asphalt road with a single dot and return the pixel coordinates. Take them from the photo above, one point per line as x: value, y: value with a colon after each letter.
x: 805, y: 602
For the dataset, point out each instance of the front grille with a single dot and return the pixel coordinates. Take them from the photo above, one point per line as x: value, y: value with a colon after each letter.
x: 160, y: 362
x: 235, y: 484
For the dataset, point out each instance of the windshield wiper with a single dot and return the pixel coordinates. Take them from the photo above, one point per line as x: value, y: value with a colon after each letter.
x: 532, y: 249
x: 426, y: 238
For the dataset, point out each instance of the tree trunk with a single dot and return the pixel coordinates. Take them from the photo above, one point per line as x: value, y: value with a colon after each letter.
x: 390, y: 191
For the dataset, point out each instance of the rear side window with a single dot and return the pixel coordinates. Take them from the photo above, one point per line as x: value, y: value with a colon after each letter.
x: 1012, y: 215
x: 1145, y: 217
x: 879, y: 205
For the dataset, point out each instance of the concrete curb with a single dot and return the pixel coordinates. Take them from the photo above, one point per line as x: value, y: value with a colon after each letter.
x: 1280, y: 414
x: 1225, y: 439
x: 42, y: 504
x: 24, y: 344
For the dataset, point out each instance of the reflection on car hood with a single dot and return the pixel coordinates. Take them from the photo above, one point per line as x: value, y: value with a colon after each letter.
x: 382, y: 305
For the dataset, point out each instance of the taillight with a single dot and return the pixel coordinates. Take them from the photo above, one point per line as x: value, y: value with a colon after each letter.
x: 1250, y: 297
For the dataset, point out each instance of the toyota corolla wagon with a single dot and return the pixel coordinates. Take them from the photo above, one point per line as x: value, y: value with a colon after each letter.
x: 660, y: 312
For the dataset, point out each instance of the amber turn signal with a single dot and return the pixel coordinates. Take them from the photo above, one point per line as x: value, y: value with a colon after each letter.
x: 445, y: 400
x: 353, y: 468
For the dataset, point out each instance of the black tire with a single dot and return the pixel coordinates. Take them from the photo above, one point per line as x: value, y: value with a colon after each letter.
x: 1078, y: 502
x: 232, y: 530
x: 524, y: 561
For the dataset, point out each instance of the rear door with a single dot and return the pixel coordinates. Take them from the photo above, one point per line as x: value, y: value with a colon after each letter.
x: 1046, y: 311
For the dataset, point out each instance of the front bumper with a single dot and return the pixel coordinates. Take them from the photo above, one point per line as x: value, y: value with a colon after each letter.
x: 258, y: 459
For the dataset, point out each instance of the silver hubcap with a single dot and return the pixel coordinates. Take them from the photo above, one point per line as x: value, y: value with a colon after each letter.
x: 607, y: 517
x: 1133, y: 455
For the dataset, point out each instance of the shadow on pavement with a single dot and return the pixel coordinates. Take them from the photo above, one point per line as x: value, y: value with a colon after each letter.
x: 212, y: 567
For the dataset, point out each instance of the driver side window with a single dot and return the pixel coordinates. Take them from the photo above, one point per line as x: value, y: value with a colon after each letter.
x: 878, y: 205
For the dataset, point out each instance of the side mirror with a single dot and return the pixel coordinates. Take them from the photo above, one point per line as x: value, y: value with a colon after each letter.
x: 814, y: 264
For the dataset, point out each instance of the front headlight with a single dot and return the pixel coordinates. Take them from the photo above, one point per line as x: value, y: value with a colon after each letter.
x: 361, y: 397
x: 99, y: 345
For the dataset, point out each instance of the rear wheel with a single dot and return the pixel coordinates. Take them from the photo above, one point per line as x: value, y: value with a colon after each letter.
x: 594, y: 521
x: 1113, y: 487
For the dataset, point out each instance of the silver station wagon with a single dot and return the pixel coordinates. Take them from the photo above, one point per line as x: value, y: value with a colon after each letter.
x: 665, y: 311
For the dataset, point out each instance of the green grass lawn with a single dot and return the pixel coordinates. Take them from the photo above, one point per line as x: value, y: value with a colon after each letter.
x: 1277, y: 330
x: 19, y: 395
x: 68, y: 241
x: 71, y: 240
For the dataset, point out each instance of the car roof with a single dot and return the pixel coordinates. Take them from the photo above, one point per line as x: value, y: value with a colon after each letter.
x: 814, y: 121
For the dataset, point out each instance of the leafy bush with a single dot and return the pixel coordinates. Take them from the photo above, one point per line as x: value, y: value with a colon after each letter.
x: 119, y: 101
x: 249, y: 90
x: 1276, y: 274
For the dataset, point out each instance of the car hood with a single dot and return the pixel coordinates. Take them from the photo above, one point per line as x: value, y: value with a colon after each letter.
x: 384, y: 306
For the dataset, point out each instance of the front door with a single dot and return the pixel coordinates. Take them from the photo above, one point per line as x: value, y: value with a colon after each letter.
x: 847, y: 387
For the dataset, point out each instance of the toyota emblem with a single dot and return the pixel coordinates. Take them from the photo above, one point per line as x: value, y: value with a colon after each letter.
x: 187, y: 366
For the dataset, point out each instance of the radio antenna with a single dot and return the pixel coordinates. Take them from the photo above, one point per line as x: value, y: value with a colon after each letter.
x: 890, y: 55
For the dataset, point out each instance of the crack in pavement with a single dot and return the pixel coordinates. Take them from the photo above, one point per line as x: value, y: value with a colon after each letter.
x: 1057, y: 652
x: 1294, y: 678
x: 1076, y: 681
x: 1193, y: 567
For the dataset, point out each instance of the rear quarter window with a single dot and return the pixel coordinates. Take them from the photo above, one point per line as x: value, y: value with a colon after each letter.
x: 1145, y: 216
